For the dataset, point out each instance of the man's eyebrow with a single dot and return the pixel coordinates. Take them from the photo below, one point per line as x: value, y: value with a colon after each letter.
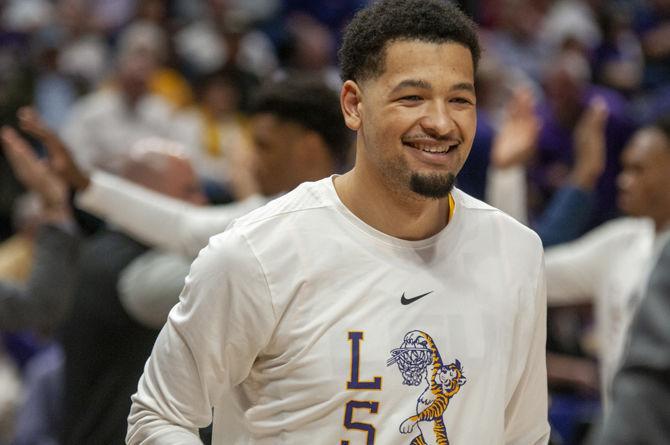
x: 412, y: 83
x: 467, y: 86
x: 418, y: 83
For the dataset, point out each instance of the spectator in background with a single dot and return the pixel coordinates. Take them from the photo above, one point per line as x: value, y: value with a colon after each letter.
x: 609, y: 266
x: 567, y: 214
x: 218, y: 131
x: 151, y: 29
x: 165, y: 81
x: 568, y: 93
x: 104, y: 347
x: 104, y: 125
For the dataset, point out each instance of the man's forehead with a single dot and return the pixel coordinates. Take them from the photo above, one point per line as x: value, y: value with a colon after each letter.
x: 650, y: 137
x: 418, y: 57
x: 407, y: 47
x: 647, y: 144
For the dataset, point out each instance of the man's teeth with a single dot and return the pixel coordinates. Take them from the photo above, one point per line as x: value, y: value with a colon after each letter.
x: 442, y: 149
x: 435, y: 150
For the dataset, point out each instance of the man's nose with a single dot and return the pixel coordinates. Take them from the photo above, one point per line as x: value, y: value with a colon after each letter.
x: 438, y: 120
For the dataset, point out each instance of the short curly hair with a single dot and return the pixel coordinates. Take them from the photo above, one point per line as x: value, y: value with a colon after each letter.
x: 371, y: 29
x: 309, y: 102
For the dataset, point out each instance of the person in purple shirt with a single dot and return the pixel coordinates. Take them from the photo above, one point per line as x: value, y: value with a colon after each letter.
x: 568, y: 93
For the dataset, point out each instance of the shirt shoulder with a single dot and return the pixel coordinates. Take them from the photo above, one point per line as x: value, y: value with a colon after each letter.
x: 306, y: 198
x: 481, y: 214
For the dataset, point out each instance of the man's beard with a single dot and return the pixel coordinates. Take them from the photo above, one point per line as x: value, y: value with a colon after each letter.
x: 434, y: 186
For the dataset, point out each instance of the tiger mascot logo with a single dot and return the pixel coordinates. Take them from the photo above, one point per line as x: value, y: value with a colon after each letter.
x: 419, y: 360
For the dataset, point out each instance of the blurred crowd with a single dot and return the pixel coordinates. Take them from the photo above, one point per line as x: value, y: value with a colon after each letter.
x: 180, y: 115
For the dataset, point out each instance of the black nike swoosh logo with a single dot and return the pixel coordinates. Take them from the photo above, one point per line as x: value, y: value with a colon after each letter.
x: 407, y: 301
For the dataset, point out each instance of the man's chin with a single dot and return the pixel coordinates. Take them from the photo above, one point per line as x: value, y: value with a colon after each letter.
x: 628, y: 209
x: 624, y: 206
x: 432, y: 185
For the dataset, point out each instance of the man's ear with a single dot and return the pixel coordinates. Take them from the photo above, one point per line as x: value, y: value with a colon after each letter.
x: 350, y: 101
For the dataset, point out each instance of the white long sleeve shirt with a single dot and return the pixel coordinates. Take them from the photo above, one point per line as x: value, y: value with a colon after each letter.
x: 156, y: 219
x: 302, y: 324
x: 608, y: 267
x: 150, y: 286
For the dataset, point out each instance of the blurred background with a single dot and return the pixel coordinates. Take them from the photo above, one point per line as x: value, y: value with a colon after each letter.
x: 563, y: 87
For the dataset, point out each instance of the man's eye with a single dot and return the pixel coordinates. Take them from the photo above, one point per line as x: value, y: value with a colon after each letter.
x: 461, y: 100
x: 411, y: 98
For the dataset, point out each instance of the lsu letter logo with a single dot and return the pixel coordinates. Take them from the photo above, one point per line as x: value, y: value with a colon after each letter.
x: 419, y: 361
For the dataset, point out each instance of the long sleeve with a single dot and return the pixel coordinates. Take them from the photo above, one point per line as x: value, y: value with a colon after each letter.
x: 150, y: 286
x: 506, y: 190
x: 642, y: 386
x: 225, y: 317
x: 156, y: 219
x: 564, y: 218
x: 576, y: 269
x: 43, y: 301
x: 526, y: 411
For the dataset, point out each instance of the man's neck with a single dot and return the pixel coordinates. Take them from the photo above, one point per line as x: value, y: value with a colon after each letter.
x: 403, y: 215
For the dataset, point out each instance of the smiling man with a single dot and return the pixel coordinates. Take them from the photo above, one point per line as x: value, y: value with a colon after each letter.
x: 382, y: 306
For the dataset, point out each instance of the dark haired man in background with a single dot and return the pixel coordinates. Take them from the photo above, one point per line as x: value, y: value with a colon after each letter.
x: 298, y: 134
x: 355, y: 309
